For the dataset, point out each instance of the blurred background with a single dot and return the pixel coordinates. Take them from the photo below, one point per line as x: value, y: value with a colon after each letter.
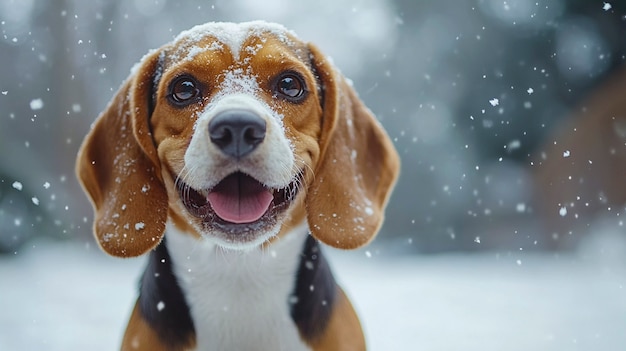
x: 505, y: 231
x: 471, y: 92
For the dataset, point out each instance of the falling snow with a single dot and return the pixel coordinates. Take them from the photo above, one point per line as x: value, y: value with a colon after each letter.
x: 514, y: 144
x: 36, y: 104
x: 481, y: 163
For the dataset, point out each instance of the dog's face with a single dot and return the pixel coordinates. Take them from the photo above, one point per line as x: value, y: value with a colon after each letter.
x: 236, y: 133
x: 235, y: 127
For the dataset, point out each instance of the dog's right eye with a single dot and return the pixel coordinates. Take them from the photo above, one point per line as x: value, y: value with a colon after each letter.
x: 184, y: 91
x: 290, y: 86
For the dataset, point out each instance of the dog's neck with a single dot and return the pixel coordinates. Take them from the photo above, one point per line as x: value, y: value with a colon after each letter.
x: 266, y: 298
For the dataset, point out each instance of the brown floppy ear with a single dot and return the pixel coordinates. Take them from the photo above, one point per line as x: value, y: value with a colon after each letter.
x: 119, y: 169
x: 357, y: 169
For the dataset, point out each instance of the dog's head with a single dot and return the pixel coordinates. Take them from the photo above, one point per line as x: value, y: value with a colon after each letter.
x: 236, y: 132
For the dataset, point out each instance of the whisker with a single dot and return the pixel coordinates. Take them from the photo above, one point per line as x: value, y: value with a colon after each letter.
x: 300, y: 183
x: 306, y: 165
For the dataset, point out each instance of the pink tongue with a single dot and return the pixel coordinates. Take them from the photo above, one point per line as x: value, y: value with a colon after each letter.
x: 240, y: 199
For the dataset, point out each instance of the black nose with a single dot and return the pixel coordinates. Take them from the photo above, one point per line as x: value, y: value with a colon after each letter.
x: 237, y: 132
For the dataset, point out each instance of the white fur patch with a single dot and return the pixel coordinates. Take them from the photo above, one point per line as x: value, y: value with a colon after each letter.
x: 233, y: 35
x: 271, y: 163
x: 239, y: 300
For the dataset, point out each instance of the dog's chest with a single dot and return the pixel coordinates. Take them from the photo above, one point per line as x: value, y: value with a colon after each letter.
x: 239, y: 301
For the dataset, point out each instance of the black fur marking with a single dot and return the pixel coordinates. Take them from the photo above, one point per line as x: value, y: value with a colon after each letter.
x: 154, y: 85
x: 161, y: 301
x: 315, y: 292
x: 321, y: 89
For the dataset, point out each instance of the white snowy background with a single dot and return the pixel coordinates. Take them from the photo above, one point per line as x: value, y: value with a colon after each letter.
x: 467, y: 90
x: 71, y: 297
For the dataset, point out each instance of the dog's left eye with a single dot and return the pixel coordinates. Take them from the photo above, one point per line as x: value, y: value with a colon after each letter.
x: 290, y: 86
x: 184, y: 90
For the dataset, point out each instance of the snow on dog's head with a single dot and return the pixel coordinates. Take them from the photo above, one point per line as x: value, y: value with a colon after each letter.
x: 239, y: 132
x: 231, y: 36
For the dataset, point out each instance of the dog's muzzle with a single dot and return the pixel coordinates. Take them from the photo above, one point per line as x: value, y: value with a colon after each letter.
x: 237, y: 132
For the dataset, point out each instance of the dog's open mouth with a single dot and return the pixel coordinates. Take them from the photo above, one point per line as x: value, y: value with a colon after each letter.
x: 238, y: 200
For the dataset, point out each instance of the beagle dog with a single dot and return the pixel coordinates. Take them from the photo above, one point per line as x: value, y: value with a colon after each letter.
x: 229, y: 154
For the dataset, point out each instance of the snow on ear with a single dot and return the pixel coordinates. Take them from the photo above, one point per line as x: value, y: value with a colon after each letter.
x: 358, y: 165
x: 119, y: 169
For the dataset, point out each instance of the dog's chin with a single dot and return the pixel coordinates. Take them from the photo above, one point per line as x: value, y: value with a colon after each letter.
x: 239, y: 213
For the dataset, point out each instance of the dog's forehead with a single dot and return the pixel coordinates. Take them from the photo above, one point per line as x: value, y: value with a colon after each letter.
x: 218, y: 36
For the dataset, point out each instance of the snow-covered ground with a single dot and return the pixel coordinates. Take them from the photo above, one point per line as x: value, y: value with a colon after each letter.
x: 60, y: 296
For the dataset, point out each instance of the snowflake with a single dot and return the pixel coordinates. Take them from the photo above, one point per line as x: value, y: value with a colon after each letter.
x: 36, y: 104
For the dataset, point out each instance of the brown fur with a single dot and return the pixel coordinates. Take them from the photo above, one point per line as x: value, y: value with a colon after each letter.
x: 344, y: 330
x: 130, y: 160
x: 140, y: 336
